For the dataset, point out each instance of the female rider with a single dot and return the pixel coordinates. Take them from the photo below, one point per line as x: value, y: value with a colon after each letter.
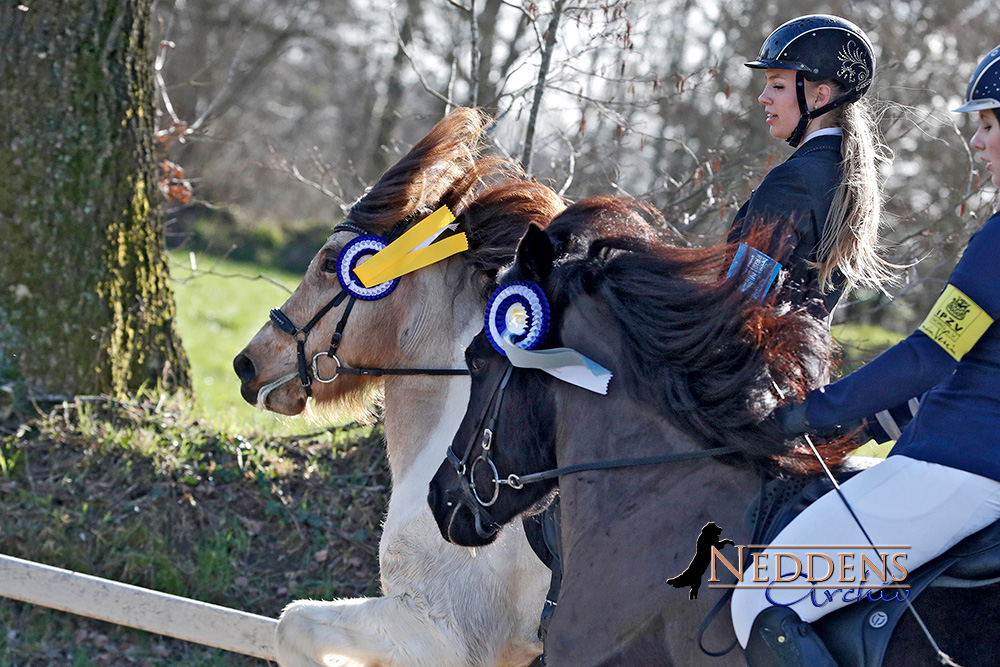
x: 941, y: 481
x: 817, y: 69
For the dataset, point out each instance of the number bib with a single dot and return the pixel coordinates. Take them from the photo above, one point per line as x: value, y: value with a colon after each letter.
x: 956, y: 322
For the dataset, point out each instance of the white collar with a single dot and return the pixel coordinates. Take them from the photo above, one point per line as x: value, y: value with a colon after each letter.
x: 826, y: 131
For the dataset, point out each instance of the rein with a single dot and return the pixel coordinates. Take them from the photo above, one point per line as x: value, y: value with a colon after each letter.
x: 521, y: 480
x: 469, y: 494
x: 308, y: 372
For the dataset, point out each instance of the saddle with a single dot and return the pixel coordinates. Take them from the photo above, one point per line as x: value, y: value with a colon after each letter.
x: 858, y: 635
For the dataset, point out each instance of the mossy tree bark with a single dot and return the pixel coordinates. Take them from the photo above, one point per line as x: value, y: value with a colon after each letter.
x: 85, y: 302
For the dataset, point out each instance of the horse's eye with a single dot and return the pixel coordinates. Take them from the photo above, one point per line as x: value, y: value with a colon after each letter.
x: 475, y: 364
x: 329, y: 264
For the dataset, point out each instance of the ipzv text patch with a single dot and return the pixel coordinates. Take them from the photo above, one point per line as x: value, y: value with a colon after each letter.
x: 956, y: 322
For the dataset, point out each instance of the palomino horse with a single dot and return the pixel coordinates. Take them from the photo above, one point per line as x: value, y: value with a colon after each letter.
x: 442, y: 604
x: 693, y: 362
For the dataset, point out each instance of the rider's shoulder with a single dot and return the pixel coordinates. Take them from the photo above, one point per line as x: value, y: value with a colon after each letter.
x: 785, y: 178
x: 993, y: 223
x: 989, y: 233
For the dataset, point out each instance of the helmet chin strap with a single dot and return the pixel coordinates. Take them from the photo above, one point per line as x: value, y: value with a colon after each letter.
x: 805, y: 115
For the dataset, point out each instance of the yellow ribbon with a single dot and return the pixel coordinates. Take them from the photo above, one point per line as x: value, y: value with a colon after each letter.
x: 404, y: 254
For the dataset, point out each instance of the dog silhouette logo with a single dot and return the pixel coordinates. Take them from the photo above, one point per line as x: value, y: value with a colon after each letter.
x: 702, y: 558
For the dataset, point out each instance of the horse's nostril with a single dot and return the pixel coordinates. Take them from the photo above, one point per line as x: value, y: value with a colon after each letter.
x: 432, y: 496
x: 244, y: 368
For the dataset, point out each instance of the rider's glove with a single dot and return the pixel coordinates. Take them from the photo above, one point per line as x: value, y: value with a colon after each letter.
x: 791, y: 419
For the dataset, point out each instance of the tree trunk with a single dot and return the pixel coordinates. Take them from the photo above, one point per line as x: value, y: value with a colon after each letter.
x: 85, y: 303
x: 487, y: 90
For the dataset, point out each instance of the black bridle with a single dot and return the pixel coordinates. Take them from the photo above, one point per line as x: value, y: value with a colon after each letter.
x: 468, y: 494
x: 308, y: 372
x: 486, y: 525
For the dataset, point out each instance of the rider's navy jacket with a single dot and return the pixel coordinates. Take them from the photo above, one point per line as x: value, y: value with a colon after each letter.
x: 958, y: 424
x: 800, y: 189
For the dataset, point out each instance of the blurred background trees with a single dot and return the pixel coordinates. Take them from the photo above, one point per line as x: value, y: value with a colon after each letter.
x: 277, y: 114
x: 287, y: 109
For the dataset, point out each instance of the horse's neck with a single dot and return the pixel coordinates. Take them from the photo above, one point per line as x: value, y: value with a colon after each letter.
x: 634, y: 528
x: 668, y: 494
x: 423, y: 412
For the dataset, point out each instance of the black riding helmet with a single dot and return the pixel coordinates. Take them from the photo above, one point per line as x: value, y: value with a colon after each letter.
x: 820, y: 47
x: 984, y: 86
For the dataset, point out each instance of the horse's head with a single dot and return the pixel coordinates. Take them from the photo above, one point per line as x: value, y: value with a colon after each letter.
x: 508, y: 429
x: 430, y: 310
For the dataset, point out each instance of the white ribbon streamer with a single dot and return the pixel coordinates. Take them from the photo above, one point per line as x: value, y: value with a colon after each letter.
x: 563, y: 363
x: 433, y: 237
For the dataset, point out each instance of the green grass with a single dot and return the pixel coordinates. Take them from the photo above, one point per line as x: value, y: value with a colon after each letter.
x: 220, y: 306
x: 208, y: 499
x: 860, y: 343
x: 146, y: 493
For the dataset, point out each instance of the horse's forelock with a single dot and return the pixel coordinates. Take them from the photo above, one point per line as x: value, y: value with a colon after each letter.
x: 426, y: 174
x: 491, y: 198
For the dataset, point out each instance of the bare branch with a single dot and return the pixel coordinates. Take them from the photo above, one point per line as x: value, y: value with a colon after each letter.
x: 543, y: 70
x: 285, y: 166
x: 572, y: 168
x: 474, y: 66
x: 423, y: 82
x: 242, y: 276
x: 463, y: 8
x: 452, y: 75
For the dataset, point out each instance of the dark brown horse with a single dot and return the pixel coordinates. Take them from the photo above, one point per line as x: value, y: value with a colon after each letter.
x: 694, y: 364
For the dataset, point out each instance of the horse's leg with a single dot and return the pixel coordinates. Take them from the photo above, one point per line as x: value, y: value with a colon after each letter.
x: 965, y: 622
x: 385, y: 631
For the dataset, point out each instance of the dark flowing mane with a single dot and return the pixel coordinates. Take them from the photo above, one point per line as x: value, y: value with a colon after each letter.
x: 493, y: 201
x: 693, y: 345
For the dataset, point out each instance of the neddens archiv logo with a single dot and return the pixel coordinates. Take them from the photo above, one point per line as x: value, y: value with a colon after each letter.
x: 791, y: 574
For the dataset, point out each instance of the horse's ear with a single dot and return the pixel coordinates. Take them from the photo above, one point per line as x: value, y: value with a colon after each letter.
x: 535, y: 254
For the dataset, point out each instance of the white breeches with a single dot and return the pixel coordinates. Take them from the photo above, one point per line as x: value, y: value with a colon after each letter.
x: 909, y: 507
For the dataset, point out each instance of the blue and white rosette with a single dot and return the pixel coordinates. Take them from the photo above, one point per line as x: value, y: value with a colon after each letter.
x: 519, y: 313
x: 350, y: 256
x: 517, y: 319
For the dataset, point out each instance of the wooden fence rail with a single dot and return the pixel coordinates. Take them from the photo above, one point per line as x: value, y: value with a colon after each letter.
x: 122, y: 604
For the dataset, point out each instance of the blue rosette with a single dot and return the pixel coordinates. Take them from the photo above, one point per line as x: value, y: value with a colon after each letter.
x: 520, y: 313
x: 350, y: 256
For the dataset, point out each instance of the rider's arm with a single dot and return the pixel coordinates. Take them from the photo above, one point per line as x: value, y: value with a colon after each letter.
x: 918, y: 362
x: 907, y: 369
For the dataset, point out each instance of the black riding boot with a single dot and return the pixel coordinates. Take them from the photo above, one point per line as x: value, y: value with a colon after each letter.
x: 779, y: 638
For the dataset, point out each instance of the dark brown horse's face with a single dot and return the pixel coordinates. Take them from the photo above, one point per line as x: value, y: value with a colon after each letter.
x: 508, y: 428
x: 267, y: 366
x: 521, y: 441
